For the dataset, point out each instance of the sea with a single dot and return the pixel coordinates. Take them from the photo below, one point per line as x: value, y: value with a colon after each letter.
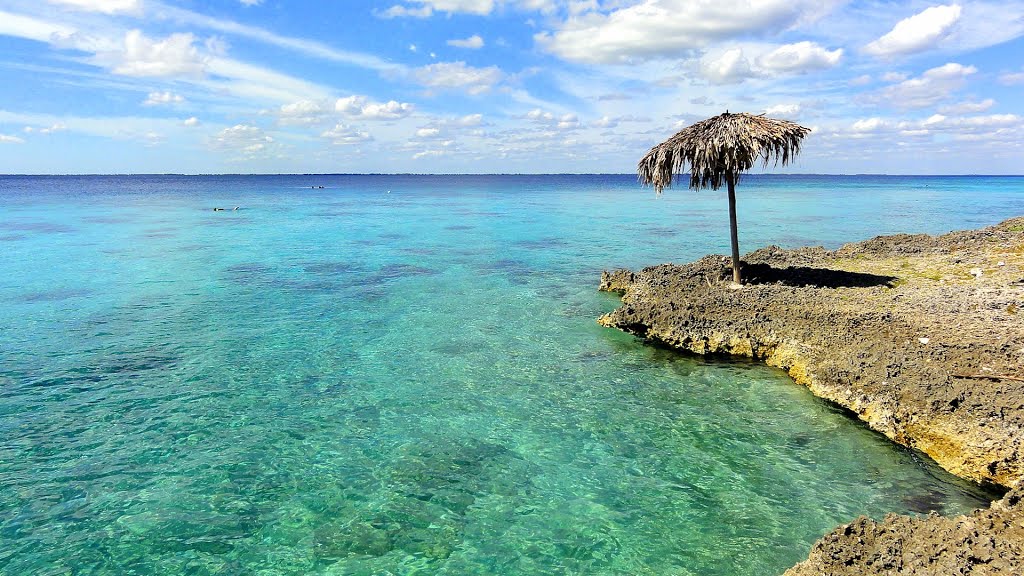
x: 402, y: 374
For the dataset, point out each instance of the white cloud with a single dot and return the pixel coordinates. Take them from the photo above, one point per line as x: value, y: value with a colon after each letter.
x: 243, y: 139
x: 362, y: 108
x: 613, y: 121
x: 783, y: 110
x: 968, y: 107
x: 930, y: 88
x: 457, y: 75
x: 301, y: 113
x: 730, y: 67
x: 343, y: 135
x: 561, y: 122
x: 142, y: 56
x: 428, y: 154
x: 251, y: 2
x: 473, y: 42
x: 257, y: 83
x: 158, y: 98
x: 428, y: 7
x: 894, y: 77
x: 799, y: 57
x: 666, y: 28
x: 428, y: 132
x: 303, y: 46
x: 51, y: 129
x: 7, y: 139
x: 54, y: 128
x: 105, y: 6
x: 1012, y: 78
x: 869, y: 125
x: 861, y: 80
x: 190, y: 122
x: 469, y: 120
x: 21, y: 26
x: 917, y: 33
x: 398, y: 11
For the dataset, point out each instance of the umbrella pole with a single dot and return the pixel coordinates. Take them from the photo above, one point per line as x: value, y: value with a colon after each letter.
x: 732, y: 228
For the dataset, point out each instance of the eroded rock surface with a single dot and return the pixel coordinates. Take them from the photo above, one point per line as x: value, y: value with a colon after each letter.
x: 921, y: 337
x: 986, y: 543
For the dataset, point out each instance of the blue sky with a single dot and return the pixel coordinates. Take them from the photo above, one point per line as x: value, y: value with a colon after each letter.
x: 461, y: 86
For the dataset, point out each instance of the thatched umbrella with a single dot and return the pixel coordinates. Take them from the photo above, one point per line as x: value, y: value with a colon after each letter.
x: 718, y: 150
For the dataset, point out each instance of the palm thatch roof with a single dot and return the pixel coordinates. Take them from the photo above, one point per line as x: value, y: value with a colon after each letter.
x: 719, y: 148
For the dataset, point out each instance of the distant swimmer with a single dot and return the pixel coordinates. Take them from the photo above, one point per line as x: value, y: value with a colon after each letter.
x: 218, y: 209
x: 235, y: 208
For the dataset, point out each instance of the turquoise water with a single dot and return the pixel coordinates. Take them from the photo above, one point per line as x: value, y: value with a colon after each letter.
x: 402, y: 375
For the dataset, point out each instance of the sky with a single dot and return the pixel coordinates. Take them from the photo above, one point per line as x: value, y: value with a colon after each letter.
x: 501, y: 86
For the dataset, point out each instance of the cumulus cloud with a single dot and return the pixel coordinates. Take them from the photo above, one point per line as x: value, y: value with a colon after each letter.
x: 105, y: 6
x: 867, y: 125
x: 301, y: 113
x: 917, y: 33
x: 730, y: 67
x: 992, y: 128
x: 242, y: 139
x: 930, y: 88
x: 967, y: 107
x: 8, y: 139
x: 190, y: 122
x: 345, y: 135
x: 158, y: 98
x: 458, y: 76
x: 362, y: 108
x: 473, y: 42
x: 666, y: 28
x: 251, y: 2
x: 783, y: 110
x: 799, y: 57
x: 552, y: 121
x: 861, y: 80
x: 142, y: 56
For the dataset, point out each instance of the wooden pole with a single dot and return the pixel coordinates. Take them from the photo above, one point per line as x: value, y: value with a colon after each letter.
x: 731, y: 179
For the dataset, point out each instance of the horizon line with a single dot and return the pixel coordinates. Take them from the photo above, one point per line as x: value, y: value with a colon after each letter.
x: 196, y: 174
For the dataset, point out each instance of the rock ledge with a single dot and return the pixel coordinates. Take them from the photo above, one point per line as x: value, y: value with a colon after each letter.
x: 921, y: 337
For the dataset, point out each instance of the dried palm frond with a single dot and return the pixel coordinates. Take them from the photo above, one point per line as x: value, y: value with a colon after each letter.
x: 719, y: 149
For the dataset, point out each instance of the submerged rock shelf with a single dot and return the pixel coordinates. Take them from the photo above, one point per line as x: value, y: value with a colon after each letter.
x: 921, y: 337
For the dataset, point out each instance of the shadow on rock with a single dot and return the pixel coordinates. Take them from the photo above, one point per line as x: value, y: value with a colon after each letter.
x: 806, y: 276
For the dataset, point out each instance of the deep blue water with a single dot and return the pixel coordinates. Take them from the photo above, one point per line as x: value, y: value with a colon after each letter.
x: 402, y: 375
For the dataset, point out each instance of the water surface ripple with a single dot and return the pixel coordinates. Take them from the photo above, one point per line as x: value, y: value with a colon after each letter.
x: 402, y: 375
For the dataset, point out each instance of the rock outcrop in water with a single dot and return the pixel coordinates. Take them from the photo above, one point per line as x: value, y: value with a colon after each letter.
x: 921, y: 337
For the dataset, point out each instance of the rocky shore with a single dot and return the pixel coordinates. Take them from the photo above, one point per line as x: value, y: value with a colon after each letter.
x: 921, y: 337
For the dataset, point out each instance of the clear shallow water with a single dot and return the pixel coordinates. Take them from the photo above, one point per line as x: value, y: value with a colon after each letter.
x: 351, y: 381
